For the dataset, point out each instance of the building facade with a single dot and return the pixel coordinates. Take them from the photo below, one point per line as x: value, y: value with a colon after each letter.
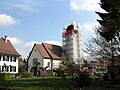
x: 72, y: 43
x: 47, y: 55
x: 8, y: 57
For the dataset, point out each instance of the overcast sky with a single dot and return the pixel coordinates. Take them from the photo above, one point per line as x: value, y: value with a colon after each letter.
x: 26, y: 22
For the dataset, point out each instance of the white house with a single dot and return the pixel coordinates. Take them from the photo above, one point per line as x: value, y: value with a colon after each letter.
x: 47, y: 55
x: 8, y: 57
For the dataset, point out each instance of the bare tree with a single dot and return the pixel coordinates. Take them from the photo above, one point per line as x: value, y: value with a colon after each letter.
x: 98, y: 48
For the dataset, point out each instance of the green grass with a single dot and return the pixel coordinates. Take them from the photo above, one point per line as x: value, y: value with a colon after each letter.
x: 93, y: 76
x: 40, y: 83
x: 57, y: 83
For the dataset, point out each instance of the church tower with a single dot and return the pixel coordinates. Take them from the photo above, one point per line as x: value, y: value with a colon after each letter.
x: 72, y: 43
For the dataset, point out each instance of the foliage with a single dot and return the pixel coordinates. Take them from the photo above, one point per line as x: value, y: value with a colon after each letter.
x: 60, y: 72
x: 7, y: 75
x: 3, y: 84
x: 110, y: 27
x: 99, y: 48
x: 80, y: 74
x: 23, y: 75
x: 2, y: 75
x: 22, y: 68
x: 110, y: 19
x: 35, y: 68
x: 105, y: 46
x: 81, y: 77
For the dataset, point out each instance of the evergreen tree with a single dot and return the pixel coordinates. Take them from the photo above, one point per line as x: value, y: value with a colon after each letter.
x: 110, y: 26
x: 110, y: 21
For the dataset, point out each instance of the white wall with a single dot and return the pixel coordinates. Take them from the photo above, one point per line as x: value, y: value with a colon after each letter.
x: 8, y: 63
x: 56, y: 63
x: 46, y: 61
x: 35, y: 54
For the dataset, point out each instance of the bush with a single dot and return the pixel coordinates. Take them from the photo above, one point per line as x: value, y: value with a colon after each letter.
x: 60, y: 72
x: 7, y: 75
x: 3, y: 84
x: 2, y: 75
x: 82, y: 80
x: 23, y: 74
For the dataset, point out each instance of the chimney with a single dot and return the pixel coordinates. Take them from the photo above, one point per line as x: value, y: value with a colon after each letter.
x: 5, y: 39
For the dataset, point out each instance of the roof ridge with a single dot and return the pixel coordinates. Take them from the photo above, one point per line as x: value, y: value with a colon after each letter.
x: 52, y: 44
x: 47, y: 50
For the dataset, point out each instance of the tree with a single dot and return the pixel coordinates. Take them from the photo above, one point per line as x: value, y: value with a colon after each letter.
x: 110, y: 19
x: 110, y: 26
x: 22, y: 68
x: 98, y: 48
x: 36, y: 68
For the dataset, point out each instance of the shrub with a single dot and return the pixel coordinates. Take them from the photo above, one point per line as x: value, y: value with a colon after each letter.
x: 2, y: 75
x: 23, y: 74
x: 82, y: 80
x: 59, y: 72
x: 3, y: 84
x: 7, y: 75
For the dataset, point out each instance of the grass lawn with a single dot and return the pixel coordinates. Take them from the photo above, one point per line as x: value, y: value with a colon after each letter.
x: 56, y: 83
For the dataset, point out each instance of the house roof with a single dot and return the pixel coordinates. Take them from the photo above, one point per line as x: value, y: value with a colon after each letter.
x: 42, y: 51
x: 49, y: 51
x: 54, y: 51
x: 7, y: 48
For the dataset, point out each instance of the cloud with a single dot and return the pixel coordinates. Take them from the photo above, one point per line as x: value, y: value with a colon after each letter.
x: 23, y: 8
x: 15, y: 40
x: 74, y: 5
x: 22, y: 47
x: 89, y: 26
x: 88, y: 5
x: 54, y: 42
x: 27, y: 47
x: 6, y: 20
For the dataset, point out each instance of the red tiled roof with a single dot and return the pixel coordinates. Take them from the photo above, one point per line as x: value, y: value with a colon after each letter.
x: 42, y: 51
x: 49, y: 50
x: 7, y: 48
x: 54, y: 51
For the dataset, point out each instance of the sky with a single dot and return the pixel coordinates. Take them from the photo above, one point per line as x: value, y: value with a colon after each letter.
x: 26, y: 22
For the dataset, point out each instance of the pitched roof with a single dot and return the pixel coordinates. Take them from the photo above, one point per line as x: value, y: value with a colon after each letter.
x: 54, y: 51
x: 7, y: 48
x: 42, y: 50
x: 49, y: 50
